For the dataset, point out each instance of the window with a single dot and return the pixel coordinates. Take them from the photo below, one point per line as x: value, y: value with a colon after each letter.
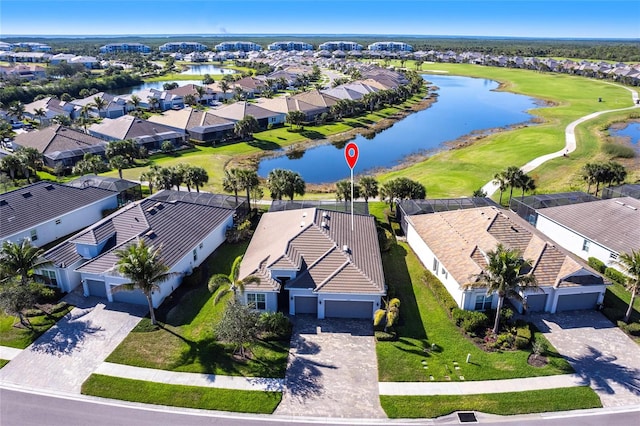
x: 201, y: 245
x: 613, y: 256
x: 257, y: 300
x: 445, y: 273
x: 34, y: 235
x: 50, y: 278
x: 195, y: 255
x: 585, y: 245
x: 483, y: 302
x: 58, y: 221
x: 435, y: 265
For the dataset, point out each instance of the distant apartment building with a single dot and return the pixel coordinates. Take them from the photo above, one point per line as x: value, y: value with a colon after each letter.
x: 34, y: 47
x: 186, y: 46
x: 340, y: 45
x: 290, y: 46
x: 243, y: 46
x: 390, y: 46
x: 125, y: 47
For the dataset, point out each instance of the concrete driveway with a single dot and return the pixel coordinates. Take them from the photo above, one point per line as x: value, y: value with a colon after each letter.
x: 64, y: 357
x: 606, y: 358
x: 332, y: 370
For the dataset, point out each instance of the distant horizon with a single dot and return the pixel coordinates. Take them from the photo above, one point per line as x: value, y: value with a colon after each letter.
x: 537, y: 19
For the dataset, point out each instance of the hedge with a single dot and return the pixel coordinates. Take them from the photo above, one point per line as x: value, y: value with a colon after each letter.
x: 441, y: 294
x: 615, y: 275
x: 597, y: 264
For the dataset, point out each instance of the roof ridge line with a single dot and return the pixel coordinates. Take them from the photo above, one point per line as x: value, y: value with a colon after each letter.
x: 333, y: 274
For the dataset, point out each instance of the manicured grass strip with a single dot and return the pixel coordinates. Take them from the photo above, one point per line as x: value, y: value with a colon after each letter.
x: 3, y: 362
x: 537, y: 401
x: 424, y: 322
x: 19, y: 337
x: 181, y: 396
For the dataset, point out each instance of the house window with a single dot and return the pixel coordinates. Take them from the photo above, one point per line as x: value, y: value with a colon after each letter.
x: 444, y: 272
x: 195, y: 255
x: 257, y: 300
x: 50, y: 278
x: 201, y: 245
x: 585, y: 245
x: 435, y: 265
x: 58, y: 221
x: 34, y: 235
x: 483, y: 302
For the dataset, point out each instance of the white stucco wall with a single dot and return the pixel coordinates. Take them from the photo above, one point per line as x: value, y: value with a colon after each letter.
x: 271, y: 300
x: 71, y: 222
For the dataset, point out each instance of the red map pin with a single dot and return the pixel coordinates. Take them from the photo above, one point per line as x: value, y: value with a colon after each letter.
x: 351, y: 154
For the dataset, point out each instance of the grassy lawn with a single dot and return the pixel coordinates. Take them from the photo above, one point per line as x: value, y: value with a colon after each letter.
x: 19, y: 337
x: 537, y: 401
x: 181, y: 396
x: 186, y: 340
x: 3, y: 362
x: 424, y: 322
x: 460, y: 171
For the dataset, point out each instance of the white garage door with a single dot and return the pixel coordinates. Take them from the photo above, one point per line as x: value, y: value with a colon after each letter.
x: 536, y: 302
x: 306, y: 305
x: 348, y: 309
x: 574, y: 302
x: 97, y: 288
x: 135, y: 297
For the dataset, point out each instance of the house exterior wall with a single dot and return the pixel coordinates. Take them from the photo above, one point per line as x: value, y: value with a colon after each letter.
x: 71, y: 222
x: 427, y: 257
x: 574, y: 242
x: 271, y: 300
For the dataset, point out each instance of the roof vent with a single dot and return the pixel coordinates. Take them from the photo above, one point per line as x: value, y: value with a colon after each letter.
x: 3, y: 202
x: 345, y: 248
x: 619, y: 202
x: 302, y: 224
x: 151, y: 210
x: 631, y: 207
x: 49, y: 187
x: 159, y: 206
x: 26, y: 194
x: 304, y: 214
x: 324, y: 224
x: 325, y: 215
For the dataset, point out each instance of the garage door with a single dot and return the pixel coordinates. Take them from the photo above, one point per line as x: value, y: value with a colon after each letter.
x: 574, y: 302
x: 347, y: 309
x: 536, y: 302
x: 306, y: 305
x: 136, y: 297
x: 96, y: 288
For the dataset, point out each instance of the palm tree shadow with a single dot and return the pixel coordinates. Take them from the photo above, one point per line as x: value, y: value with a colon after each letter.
x: 598, y: 370
x: 303, y: 378
x: 66, y: 336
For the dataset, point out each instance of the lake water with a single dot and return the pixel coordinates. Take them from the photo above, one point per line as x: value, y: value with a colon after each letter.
x: 202, y: 69
x: 464, y: 105
x: 631, y: 131
x: 151, y: 85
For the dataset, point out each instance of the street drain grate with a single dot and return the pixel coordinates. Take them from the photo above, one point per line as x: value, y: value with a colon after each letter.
x: 467, y: 418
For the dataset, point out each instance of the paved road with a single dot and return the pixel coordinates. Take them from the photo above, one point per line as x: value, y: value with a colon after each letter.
x: 570, y: 141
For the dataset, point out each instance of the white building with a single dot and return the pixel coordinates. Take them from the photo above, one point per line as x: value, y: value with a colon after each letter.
x: 183, y: 47
x: 390, y: 46
x: 242, y: 46
x: 340, y: 45
x: 290, y: 46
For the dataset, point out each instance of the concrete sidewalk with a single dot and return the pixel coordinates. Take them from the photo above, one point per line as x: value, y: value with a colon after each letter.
x: 191, y: 379
x: 9, y: 353
x: 482, y: 386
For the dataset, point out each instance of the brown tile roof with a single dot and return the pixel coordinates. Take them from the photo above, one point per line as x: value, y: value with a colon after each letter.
x: 57, y: 138
x: 612, y: 223
x: 311, y: 241
x: 461, y: 238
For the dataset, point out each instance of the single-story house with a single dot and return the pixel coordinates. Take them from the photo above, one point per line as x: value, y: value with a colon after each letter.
x: 239, y: 110
x: 201, y: 126
x: 603, y: 229
x: 453, y: 245
x: 208, y: 96
x: 46, y: 211
x: 185, y: 232
x: 127, y: 190
x: 23, y: 72
x: 286, y: 104
x: 114, y: 106
x: 145, y: 133
x: 51, y: 106
x: 59, y: 144
x: 315, y: 261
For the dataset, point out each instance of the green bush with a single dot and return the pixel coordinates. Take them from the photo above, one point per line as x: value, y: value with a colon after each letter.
x: 618, y: 150
x: 631, y: 328
x: 469, y: 321
x: 523, y: 336
x: 597, y: 264
x: 615, y: 275
x: 441, y: 294
x: 505, y: 340
x: 385, y: 239
x: 275, y: 326
x: 385, y: 336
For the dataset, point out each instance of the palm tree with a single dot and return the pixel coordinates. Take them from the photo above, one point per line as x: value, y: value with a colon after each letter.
x: 513, y: 176
x: 142, y: 265
x: 630, y: 263
x: 17, y: 110
x: 154, y: 103
x: 294, y: 184
x: 21, y: 259
x: 135, y: 101
x: 248, y: 179
x: 189, y: 99
x: 29, y: 159
x: 244, y: 128
x: 118, y: 162
x: 389, y: 314
x: 11, y: 163
x: 231, y: 182
x: 40, y: 113
x: 295, y: 118
x: 150, y: 176
x: 501, y: 180
x: 504, y: 275
x: 201, y: 92
x: 369, y: 188
x: 527, y: 183
x: 224, y: 85
x: 235, y: 284
x: 99, y: 103
x: 196, y: 176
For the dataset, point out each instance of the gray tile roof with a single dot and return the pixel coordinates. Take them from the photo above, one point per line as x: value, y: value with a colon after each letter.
x: 612, y: 223
x: 175, y: 226
x: 29, y: 206
x: 312, y: 241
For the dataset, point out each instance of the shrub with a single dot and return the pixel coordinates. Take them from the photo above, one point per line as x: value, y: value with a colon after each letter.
x: 469, y: 321
x: 618, y: 150
x: 505, y: 340
x: 505, y: 315
x: 613, y: 314
x: 385, y: 238
x: 631, y: 328
x: 241, y: 232
x: 275, y: 325
x: 615, y: 275
x: 538, y: 347
x: 385, y: 336
x: 439, y: 292
x: 597, y: 264
x: 523, y: 336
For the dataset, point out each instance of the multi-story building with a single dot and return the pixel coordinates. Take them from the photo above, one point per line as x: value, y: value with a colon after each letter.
x: 232, y: 46
x: 340, y: 45
x: 186, y: 46
x: 390, y: 46
x: 290, y: 45
x: 125, y: 47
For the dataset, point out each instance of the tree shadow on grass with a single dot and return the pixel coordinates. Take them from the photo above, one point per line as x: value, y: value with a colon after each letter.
x: 311, y: 134
x: 263, y: 144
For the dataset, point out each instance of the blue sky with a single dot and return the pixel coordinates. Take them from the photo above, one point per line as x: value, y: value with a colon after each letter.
x: 511, y: 18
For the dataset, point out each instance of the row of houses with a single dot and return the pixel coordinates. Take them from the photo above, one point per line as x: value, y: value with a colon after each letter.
x: 33, y: 46
x: 307, y: 260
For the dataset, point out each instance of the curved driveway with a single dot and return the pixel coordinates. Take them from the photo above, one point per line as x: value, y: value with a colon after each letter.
x: 570, y: 141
